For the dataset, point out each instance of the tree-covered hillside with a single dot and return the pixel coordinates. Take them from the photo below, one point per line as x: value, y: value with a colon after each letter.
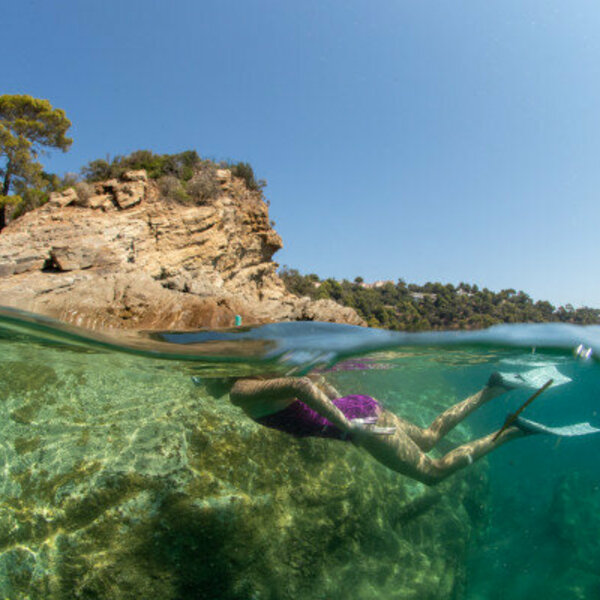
x: 412, y: 307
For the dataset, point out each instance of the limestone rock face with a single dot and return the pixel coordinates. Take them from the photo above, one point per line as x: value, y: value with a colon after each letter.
x: 65, y: 198
x: 116, y: 254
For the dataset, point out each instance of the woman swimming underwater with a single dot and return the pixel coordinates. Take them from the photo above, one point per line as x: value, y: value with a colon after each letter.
x: 311, y: 407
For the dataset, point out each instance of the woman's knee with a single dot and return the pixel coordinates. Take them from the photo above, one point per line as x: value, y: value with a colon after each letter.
x: 428, y: 440
x: 435, y: 471
x: 430, y: 477
x: 428, y: 471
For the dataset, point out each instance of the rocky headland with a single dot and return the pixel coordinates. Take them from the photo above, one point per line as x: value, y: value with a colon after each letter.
x: 118, y: 254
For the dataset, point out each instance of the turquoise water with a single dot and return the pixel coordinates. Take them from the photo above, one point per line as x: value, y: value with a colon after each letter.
x: 123, y: 479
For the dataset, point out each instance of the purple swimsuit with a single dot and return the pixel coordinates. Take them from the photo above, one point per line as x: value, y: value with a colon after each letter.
x: 299, y: 420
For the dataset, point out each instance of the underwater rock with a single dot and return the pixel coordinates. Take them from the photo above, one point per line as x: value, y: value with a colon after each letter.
x: 137, y: 485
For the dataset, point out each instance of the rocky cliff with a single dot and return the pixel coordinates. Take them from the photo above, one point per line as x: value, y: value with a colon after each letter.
x: 118, y: 254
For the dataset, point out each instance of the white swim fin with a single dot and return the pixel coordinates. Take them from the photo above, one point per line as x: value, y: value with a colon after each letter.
x: 574, y: 430
x: 533, y: 378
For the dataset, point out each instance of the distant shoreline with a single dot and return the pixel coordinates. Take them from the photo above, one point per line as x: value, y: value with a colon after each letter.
x: 434, y: 306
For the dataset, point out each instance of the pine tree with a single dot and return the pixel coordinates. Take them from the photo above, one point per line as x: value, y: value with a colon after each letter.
x: 28, y: 126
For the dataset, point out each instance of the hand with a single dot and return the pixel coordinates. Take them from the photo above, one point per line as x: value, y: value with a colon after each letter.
x: 383, y: 430
x: 367, y: 425
x: 364, y: 421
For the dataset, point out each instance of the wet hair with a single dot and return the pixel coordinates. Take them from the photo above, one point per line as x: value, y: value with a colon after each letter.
x: 218, y: 386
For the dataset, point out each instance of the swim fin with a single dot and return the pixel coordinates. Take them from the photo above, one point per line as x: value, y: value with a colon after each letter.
x: 511, y: 418
x: 574, y: 430
x: 533, y: 378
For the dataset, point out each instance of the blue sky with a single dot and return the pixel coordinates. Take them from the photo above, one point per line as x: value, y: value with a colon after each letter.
x: 442, y: 141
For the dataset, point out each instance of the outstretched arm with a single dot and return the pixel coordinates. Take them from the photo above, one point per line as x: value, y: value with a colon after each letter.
x: 290, y: 387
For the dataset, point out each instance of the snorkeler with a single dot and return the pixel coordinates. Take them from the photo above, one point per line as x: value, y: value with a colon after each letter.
x: 311, y: 407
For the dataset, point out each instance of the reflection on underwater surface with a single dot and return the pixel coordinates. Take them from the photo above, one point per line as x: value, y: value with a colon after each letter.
x: 121, y: 479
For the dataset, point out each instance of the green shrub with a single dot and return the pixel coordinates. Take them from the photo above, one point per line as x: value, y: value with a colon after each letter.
x: 203, y: 185
x: 84, y: 191
x: 29, y: 199
x: 244, y: 171
x: 97, y: 170
x: 67, y: 180
x: 172, y: 188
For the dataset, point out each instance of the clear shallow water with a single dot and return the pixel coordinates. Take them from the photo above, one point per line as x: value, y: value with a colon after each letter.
x: 122, y: 479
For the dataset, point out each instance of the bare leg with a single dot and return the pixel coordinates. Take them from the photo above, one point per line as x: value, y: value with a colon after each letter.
x: 402, y: 454
x: 427, y: 438
x: 467, y: 454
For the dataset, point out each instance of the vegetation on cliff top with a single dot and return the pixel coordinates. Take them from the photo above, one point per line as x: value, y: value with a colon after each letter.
x: 412, y: 307
x: 29, y: 126
x: 183, y: 166
x: 184, y: 177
